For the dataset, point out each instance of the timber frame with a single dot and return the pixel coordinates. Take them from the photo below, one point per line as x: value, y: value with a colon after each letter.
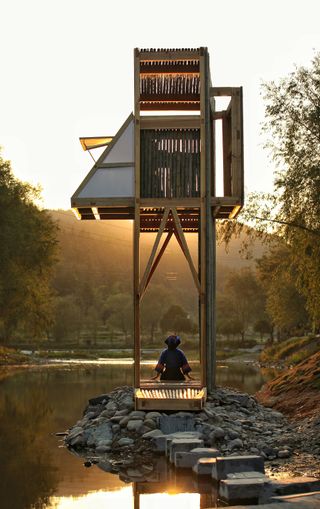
x: 198, y: 211
x: 174, y: 189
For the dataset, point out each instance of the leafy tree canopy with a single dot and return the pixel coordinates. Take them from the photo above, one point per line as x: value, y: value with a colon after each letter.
x: 292, y: 213
x: 28, y: 247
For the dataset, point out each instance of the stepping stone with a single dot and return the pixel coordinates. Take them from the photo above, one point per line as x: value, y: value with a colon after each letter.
x: 162, y: 443
x: 240, y: 489
x: 235, y: 464
x: 183, y: 445
x: 204, y: 466
x: 248, y: 475
x: 189, y: 459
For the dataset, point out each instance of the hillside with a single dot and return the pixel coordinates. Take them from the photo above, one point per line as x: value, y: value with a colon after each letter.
x: 296, y: 390
x: 116, y: 237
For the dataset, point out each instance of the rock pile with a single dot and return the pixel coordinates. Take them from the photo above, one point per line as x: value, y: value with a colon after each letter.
x: 231, y: 422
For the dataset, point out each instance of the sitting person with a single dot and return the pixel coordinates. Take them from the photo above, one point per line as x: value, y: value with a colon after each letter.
x: 172, y: 364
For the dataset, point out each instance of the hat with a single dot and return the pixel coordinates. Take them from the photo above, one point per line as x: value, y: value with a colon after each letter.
x: 173, y: 341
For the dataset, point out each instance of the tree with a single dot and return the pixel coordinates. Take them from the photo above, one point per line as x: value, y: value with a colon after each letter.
x: 175, y: 319
x: 121, y: 313
x: 284, y: 303
x: 246, y: 298
x: 28, y: 250
x: 292, y: 213
x: 264, y: 326
x: 157, y: 299
x: 293, y: 120
x: 67, y: 318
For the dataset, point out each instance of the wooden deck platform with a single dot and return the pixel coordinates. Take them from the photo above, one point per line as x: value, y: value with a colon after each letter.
x: 177, y: 396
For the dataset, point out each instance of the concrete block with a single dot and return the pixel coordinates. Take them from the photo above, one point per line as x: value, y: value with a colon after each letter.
x: 234, y: 464
x: 189, y: 459
x: 178, y: 422
x: 180, y: 435
x: 248, y: 475
x: 204, y: 466
x: 183, y: 445
x: 160, y: 443
x: 240, y: 489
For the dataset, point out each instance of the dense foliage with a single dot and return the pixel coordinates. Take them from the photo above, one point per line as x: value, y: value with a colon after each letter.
x: 28, y: 244
x: 289, y: 220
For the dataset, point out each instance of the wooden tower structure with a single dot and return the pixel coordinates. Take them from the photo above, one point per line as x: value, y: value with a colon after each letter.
x: 159, y: 170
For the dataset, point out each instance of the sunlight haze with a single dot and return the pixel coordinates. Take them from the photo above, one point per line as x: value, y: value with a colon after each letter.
x: 67, y: 71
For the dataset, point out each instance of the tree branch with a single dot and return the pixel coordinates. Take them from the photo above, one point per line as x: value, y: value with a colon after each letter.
x: 293, y: 225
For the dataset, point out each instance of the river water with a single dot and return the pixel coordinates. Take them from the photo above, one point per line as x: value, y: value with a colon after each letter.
x: 37, y: 472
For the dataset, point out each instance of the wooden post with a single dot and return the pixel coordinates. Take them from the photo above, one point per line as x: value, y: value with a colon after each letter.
x: 210, y: 240
x: 203, y: 226
x: 237, y: 143
x: 136, y: 227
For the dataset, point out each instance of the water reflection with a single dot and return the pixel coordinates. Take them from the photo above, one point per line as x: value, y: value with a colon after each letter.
x: 36, y: 474
x: 27, y: 476
x: 98, y: 500
x: 127, y: 498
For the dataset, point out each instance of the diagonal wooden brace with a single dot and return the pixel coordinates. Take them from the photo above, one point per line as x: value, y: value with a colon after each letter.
x: 178, y: 231
x: 157, y: 260
x: 154, y: 250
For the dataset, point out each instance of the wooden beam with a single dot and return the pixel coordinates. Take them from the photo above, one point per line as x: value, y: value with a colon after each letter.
x: 154, y: 250
x: 170, y: 122
x: 170, y: 105
x: 222, y: 91
x: 184, y: 246
x: 114, y: 165
x: 103, y: 202
x: 191, y: 54
x: 225, y: 200
x: 167, y: 67
x: 169, y: 202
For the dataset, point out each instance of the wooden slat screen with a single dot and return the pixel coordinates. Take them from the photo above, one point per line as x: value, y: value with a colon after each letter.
x: 162, y: 87
x: 170, y: 163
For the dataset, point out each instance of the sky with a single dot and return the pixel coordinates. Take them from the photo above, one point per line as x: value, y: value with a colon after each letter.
x: 67, y: 71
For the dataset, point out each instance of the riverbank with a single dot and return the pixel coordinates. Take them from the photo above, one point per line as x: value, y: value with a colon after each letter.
x: 232, y: 422
x: 16, y: 357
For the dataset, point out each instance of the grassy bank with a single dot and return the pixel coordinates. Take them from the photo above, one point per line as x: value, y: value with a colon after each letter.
x: 291, y: 351
x: 296, y: 390
x: 11, y: 357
